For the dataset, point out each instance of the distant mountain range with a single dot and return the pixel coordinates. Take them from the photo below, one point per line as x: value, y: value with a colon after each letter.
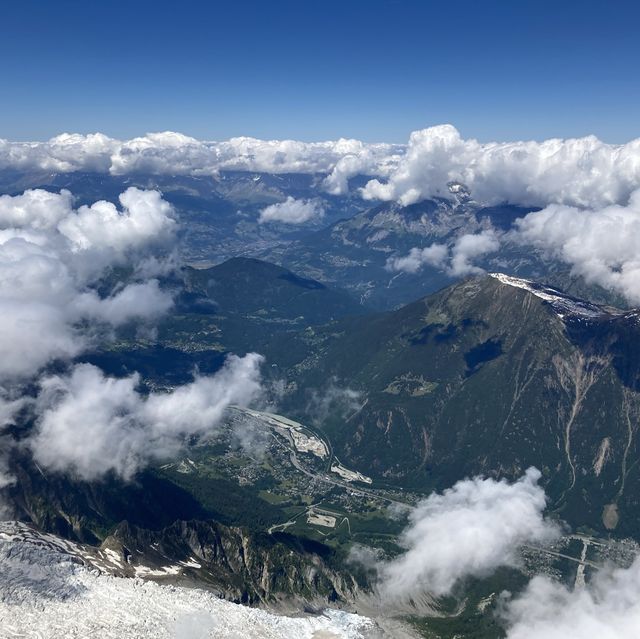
x: 354, y: 253
x: 348, y: 247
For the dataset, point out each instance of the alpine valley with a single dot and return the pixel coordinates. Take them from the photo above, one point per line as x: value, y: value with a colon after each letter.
x: 380, y: 386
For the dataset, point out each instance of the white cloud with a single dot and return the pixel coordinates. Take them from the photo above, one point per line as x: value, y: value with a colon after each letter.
x: 51, y: 255
x: 35, y: 209
x: 174, y: 153
x: 469, y: 247
x: 145, y: 300
x: 164, y: 153
x: 363, y: 160
x: 467, y: 531
x: 580, y: 172
x: 608, y: 608
x: 170, y: 153
x: 292, y: 211
x: 64, y: 153
x: 32, y: 335
x: 601, y: 245
x: 435, y: 255
x: 144, y: 217
x: 90, y: 424
x: 9, y: 407
x: 456, y: 260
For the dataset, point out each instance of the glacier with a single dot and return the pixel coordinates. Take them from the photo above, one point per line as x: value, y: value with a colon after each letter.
x: 49, y: 591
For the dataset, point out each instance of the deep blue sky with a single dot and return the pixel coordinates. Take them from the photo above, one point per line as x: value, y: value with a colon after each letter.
x: 314, y: 70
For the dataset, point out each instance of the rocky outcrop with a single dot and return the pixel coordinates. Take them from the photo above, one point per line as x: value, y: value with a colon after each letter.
x: 243, y: 566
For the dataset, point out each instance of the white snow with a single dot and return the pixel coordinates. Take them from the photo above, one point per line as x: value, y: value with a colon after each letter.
x: 165, y: 571
x: 113, y: 557
x: 561, y: 303
x: 46, y: 593
x: 192, y: 563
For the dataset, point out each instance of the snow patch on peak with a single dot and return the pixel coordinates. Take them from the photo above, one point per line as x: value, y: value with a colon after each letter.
x: 461, y: 192
x: 562, y: 304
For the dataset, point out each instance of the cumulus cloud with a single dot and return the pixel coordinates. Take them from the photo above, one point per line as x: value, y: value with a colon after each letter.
x: 361, y: 160
x: 57, y: 299
x: 456, y: 260
x: 435, y: 255
x: 144, y: 217
x: 467, y: 531
x: 581, y: 172
x: 470, y: 247
x: 52, y: 255
x: 292, y: 211
x: 608, y: 608
x: 141, y: 300
x: 170, y: 153
x: 162, y: 153
x: 290, y: 156
x: 63, y: 153
x: 91, y: 424
x: 602, y: 245
x: 32, y: 335
x: 35, y: 209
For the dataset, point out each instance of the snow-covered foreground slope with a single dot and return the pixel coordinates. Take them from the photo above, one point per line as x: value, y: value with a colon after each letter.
x: 46, y: 593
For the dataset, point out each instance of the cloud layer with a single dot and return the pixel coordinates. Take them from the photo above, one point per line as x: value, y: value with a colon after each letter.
x: 602, y: 245
x: 456, y: 260
x: 583, y: 172
x: 578, y: 172
x: 176, y: 154
x: 608, y: 608
x: 467, y: 531
x: 60, y: 294
x: 54, y: 260
x: 52, y: 255
x: 292, y: 211
x: 91, y: 424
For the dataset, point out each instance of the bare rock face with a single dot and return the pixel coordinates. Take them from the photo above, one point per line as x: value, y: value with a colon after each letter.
x: 243, y: 566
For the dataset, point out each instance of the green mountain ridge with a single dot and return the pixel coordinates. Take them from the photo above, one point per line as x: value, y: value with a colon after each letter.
x: 254, y: 288
x: 488, y: 378
x: 485, y: 376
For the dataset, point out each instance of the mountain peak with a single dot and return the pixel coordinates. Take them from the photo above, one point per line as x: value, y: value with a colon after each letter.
x: 459, y: 191
x: 563, y: 304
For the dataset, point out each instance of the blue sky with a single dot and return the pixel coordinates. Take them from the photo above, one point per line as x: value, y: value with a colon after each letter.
x: 373, y: 70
